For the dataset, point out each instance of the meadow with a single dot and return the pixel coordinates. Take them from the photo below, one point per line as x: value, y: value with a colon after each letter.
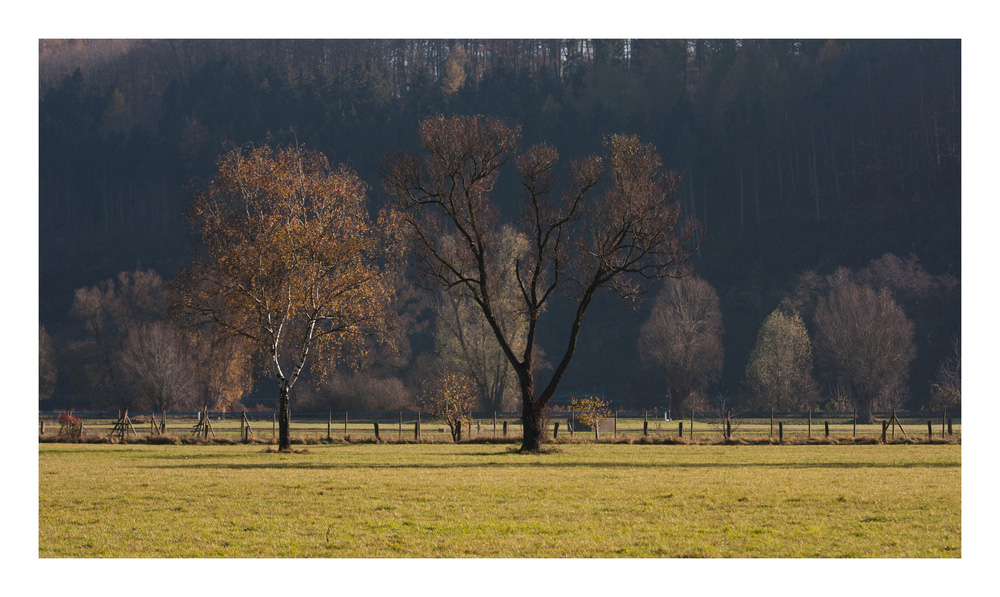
x: 484, y: 500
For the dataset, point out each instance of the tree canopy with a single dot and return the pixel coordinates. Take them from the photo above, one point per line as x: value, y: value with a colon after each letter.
x: 582, y: 237
x: 288, y: 258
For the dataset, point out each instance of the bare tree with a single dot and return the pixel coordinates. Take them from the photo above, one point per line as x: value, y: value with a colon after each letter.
x: 159, y: 362
x: 631, y: 231
x: 683, y: 337
x: 106, y: 311
x: 946, y: 390
x: 465, y: 341
x: 864, y: 341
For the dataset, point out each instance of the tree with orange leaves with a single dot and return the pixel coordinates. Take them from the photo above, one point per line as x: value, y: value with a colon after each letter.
x: 288, y: 258
x: 450, y: 399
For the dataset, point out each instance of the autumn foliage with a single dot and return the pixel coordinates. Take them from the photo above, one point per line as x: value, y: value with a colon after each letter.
x: 591, y: 411
x: 450, y: 399
x: 289, y: 261
x: 70, y: 426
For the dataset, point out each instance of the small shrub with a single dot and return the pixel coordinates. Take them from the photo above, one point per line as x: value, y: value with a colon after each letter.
x: 70, y: 426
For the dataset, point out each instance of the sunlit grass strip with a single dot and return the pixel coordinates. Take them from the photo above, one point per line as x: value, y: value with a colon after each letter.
x: 481, y: 500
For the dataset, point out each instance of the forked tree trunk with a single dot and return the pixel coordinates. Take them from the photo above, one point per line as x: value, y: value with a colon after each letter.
x: 284, y: 418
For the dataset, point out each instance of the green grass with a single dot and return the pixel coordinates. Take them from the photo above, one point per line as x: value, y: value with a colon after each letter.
x: 481, y: 500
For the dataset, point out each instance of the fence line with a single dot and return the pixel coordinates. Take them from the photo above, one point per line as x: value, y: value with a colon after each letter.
x: 413, y: 425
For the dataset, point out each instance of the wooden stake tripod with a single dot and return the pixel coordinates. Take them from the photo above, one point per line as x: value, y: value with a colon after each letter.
x: 203, y: 426
x: 122, y: 426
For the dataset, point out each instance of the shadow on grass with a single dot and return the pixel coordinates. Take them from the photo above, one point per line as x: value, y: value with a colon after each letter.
x: 544, y: 464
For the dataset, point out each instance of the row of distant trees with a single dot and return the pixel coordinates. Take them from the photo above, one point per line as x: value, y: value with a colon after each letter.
x: 845, y: 332
x: 128, y: 353
x: 858, y: 345
x: 289, y: 267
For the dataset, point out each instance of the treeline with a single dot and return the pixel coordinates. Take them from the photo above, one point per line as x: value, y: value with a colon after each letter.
x: 847, y: 340
x: 797, y: 155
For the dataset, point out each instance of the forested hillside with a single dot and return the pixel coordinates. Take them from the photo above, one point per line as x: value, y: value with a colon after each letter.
x: 797, y: 156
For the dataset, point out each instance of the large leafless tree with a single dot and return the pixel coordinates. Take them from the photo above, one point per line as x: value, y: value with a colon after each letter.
x: 612, y: 224
x: 105, y: 312
x: 683, y: 337
x: 864, y: 341
x: 159, y: 362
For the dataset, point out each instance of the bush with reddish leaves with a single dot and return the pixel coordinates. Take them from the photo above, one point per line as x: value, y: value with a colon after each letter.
x: 70, y: 425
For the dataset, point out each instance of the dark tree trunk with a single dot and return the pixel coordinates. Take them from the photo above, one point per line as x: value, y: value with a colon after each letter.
x: 284, y: 418
x: 533, y: 421
x: 532, y: 412
x: 864, y: 411
x: 677, y: 400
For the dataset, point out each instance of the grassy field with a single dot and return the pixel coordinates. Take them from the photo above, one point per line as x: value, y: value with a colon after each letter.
x: 481, y: 500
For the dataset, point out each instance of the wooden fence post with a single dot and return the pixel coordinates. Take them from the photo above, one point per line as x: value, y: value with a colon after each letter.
x: 345, y: 424
x: 400, y: 425
x: 809, y: 428
x: 944, y: 416
x: 616, y: 423
x: 41, y: 426
x: 781, y: 432
x: 855, y: 422
x: 772, y: 423
x: 929, y: 431
x: 505, y: 428
x: 680, y: 428
x: 691, y: 432
x: 376, y: 431
x: 826, y: 428
x: 572, y: 423
x: 418, y: 424
x: 555, y: 431
x: 645, y: 428
x: 885, y: 427
x: 494, y: 423
x: 949, y: 426
x: 892, y: 422
x: 274, y: 423
x: 329, y: 426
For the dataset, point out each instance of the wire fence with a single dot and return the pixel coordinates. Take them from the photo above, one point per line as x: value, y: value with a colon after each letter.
x: 416, y: 426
